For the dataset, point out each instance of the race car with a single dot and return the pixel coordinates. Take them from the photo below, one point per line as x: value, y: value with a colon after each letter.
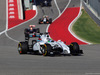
x: 45, y: 20
x: 46, y: 46
x: 45, y: 3
x: 31, y: 32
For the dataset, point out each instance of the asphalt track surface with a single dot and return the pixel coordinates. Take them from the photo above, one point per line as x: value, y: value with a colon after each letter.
x: 2, y: 15
x: 11, y: 63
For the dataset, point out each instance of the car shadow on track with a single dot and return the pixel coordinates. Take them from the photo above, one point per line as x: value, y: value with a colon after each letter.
x: 57, y: 55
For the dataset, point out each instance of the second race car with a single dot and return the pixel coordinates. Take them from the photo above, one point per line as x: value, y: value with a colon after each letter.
x: 31, y: 32
x: 45, y: 20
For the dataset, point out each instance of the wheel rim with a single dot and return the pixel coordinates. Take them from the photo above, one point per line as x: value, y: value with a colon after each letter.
x: 44, y: 50
x: 19, y: 48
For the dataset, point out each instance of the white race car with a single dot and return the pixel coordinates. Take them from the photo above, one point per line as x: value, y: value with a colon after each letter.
x: 46, y: 46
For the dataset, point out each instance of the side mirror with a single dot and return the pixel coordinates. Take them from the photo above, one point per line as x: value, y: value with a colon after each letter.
x: 41, y: 33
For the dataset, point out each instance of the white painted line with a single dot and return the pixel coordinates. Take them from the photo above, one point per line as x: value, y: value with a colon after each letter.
x: 11, y: 9
x: 57, y: 7
x: 11, y: 12
x: 24, y: 22
x: 59, y: 12
x: 69, y: 28
x: 10, y: 5
x: 11, y: 38
x: 10, y: 1
x: 2, y: 32
x: 7, y: 23
x: 11, y: 17
x: 6, y: 18
x: 16, y: 25
x: 66, y: 6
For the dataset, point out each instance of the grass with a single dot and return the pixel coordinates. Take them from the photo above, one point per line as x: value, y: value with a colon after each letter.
x: 87, y: 29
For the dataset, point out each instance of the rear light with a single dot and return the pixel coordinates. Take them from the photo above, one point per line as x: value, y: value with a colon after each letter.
x: 33, y: 35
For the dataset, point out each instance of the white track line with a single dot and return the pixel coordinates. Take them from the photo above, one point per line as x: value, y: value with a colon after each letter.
x: 69, y: 28
x: 71, y: 24
x: 6, y: 18
x: 2, y: 32
x: 59, y: 12
x: 57, y: 7
x: 24, y: 22
x: 15, y: 26
x: 6, y: 15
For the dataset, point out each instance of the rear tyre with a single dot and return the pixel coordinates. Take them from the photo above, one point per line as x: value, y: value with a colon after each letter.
x: 50, y: 20
x: 74, y: 48
x: 25, y: 31
x: 26, y: 37
x: 23, y: 47
x: 46, y: 48
x: 40, y: 21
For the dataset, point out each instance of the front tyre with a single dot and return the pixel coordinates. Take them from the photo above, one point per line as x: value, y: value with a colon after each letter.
x: 46, y: 48
x: 23, y: 47
x: 50, y: 20
x: 74, y: 48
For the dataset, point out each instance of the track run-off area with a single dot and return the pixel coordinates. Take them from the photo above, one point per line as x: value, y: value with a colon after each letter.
x: 58, y: 29
x: 13, y: 14
x: 12, y: 31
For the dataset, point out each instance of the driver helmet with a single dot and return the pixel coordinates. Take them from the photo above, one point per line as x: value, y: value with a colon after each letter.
x: 47, y: 35
x: 31, y: 27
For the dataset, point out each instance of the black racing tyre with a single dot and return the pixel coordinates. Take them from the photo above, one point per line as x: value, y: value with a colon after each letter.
x: 74, y: 48
x: 46, y: 48
x: 23, y: 47
x: 50, y: 20
x: 25, y: 31
x: 40, y: 21
x: 26, y: 34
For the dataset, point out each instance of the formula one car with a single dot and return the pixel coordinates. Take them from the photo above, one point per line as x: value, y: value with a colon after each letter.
x: 45, y: 20
x: 46, y: 46
x: 31, y: 32
x: 45, y: 3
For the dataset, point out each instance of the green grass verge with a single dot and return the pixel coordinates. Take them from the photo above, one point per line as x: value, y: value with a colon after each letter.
x: 87, y: 29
